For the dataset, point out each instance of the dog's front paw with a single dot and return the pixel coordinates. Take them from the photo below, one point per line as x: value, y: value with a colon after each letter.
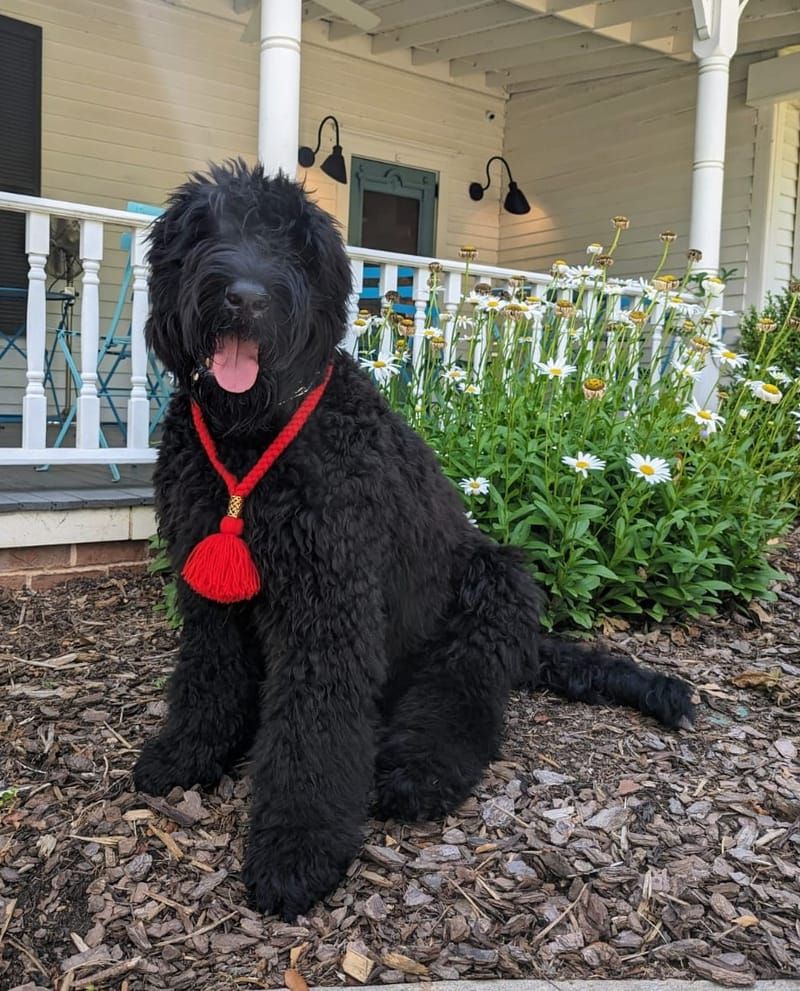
x: 164, y: 764
x: 288, y: 878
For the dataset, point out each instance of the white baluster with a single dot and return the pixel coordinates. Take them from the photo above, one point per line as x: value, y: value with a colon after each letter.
x: 537, y: 323
x: 452, y: 299
x: 34, y: 405
x: 138, y: 404
x: 88, y: 417
x: 387, y: 283
x: 657, y: 320
x: 350, y: 343
x: 421, y: 297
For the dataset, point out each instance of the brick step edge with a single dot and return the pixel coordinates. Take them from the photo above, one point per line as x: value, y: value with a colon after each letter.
x: 44, y: 567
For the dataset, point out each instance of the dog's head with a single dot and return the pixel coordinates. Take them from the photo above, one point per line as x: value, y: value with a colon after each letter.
x: 248, y: 291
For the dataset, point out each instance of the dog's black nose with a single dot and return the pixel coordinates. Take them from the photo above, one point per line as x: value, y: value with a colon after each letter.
x: 245, y: 296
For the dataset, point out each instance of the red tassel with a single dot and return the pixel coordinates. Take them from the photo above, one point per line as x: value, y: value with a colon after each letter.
x: 220, y: 568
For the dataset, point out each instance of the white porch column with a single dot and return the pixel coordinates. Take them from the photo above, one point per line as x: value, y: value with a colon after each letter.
x: 715, y: 41
x: 279, y: 89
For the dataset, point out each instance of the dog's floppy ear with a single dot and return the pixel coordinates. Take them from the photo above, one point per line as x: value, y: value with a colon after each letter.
x: 162, y: 330
x: 325, y: 255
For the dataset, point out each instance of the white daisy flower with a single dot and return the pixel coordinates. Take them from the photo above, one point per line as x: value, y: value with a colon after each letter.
x: 744, y: 412
x: 613, y: 289
x: 766, y: 391
x: 730, y: 358
x: 554, y: 369
x: 583, y: 463
x: 715, y: 313
x: 779, y: 375
x: 713, y: 286
x: 652, y: 470
x: 594, y: 248
x: 686, y: 371
x: 430, y: 332
x: 471, y: 518
x: 706, y: 418
x: 383, y: 367
x: 454, y: 375
x: 475, y: 486
x: 640, y: 287
x: 490, y: 304
x: 470, y: 389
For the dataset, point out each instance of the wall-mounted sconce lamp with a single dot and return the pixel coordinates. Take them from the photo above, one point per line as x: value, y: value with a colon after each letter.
x: 334, y: 165
x: 514, y: 202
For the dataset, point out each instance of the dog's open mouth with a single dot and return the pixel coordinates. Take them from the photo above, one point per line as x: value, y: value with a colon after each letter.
x: 235, y: 363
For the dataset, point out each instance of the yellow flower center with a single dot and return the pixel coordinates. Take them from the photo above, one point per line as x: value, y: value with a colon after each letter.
x: 555, y: 371
x: 471, y: 388
x: 705, y: 414
x: 647, y: 469
x: 581, y: 464
x: 379, y: 364
x: 361, y: 323
x: 594, y: 384
x: 474, y: 486
x: 730, y: 355
x: 773, y: 390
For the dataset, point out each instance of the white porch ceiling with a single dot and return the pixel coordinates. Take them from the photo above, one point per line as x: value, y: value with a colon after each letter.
x: 521, y: 45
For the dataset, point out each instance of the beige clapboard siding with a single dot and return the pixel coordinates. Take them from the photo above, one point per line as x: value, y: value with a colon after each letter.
x: 585, y: 153
x: 788, y: 192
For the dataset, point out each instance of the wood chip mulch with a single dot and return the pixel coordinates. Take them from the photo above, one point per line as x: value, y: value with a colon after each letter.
x: 601, y: 845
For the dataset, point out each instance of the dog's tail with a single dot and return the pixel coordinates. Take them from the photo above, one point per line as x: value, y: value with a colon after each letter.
x: 599, y: 676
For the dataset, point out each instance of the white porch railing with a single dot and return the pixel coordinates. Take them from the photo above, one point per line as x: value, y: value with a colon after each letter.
x: 90, y: 444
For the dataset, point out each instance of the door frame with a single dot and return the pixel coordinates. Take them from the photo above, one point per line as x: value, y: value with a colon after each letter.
x: 374, y: 175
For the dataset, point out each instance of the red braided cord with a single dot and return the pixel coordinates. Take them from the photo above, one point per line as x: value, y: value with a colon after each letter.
x: 244, y: 487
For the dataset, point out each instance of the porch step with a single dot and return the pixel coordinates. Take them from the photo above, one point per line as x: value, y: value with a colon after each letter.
x: 95, y: 497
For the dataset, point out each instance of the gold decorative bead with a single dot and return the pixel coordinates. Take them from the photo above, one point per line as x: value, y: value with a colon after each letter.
x: 235, y: 506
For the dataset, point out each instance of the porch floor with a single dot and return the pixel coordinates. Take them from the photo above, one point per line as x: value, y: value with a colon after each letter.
x: 70, y: 486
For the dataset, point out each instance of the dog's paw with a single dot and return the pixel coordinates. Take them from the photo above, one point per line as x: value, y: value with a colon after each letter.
x: 670, y: 701
x: 163, y: 765
x: 286, y: 879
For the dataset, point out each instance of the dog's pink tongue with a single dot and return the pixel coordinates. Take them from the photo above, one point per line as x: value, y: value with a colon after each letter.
x: 235, y: 364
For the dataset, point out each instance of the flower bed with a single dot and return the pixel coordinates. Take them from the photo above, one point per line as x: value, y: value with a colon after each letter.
x: 608, y: 428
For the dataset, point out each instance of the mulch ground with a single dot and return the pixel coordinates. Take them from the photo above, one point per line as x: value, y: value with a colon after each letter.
x: 601, y: 845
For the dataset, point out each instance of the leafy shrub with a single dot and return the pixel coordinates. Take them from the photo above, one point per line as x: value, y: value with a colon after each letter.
x: 569, y: 422
x: 779, y: 309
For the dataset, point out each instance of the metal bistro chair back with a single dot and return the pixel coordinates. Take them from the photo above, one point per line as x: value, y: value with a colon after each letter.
x: 115, y: 348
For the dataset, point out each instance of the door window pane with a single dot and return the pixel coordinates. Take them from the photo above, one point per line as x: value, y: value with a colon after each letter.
x: 390, y: 223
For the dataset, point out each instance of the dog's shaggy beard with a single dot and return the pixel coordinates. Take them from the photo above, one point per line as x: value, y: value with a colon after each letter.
x: 235, y: 224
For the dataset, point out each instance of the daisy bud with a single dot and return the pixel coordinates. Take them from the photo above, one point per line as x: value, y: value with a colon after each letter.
x: 468, y: 252
x: 667, y: 236
x: 766, y: 325
x: 392, y: 296
x: 604, y: 261
x: 483, y: 288
x: 559, y: 267
x: 621, y: 223
x: 694, y: 255
x: 794, y: 285
x: 594, y: 248
x: 594, y: 388
x: 665, y: 283
x: 435, y: 267
x: 794, y: 323
x: 638, y: 316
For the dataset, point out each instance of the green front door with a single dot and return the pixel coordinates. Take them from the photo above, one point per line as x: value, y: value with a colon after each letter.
x: 392, y: 207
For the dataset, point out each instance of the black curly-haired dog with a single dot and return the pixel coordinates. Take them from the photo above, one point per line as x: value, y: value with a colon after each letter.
x: 381, y: 650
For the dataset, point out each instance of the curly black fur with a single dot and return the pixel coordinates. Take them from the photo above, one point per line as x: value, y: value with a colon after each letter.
x: 382, y: 648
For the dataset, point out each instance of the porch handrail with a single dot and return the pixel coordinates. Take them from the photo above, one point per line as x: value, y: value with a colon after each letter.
x: 17, y: 203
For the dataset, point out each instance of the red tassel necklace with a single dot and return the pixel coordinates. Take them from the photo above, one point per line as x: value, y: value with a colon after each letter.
x: 220, y: 568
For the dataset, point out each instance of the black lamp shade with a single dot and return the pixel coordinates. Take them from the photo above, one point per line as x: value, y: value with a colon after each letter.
x: 335, y: 167
x: 515, y: 201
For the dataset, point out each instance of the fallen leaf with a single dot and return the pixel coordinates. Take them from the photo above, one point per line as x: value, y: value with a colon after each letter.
x: 294, y: 980
x: 746, y: 921
x: 757, y: 679
x: 296, y: 954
